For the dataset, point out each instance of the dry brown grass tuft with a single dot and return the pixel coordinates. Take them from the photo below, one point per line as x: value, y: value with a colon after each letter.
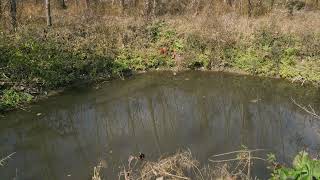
x: 177, y: 166
x: 96, y: 172
x: 183, y: 165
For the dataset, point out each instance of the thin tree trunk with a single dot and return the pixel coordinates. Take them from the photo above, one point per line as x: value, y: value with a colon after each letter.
x: 63, y: 4
x: 77, y: 4
x: 249, y: 8
x: 241, y: 6
x: 48, y: 13
x: 0, y: 9
x: 87, y: 4
x: 271, y: 4
x: 13, y: 14
x: 147, y: 9
x: 135, y: 3
x: 123, y: 6
x: 154, y: 6
x: 197, y: 7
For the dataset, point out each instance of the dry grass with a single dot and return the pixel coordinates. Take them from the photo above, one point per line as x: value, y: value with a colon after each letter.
x: 183, y: 165
x: 213, y: 19
x: 202, y: 16
x: 177, y: 166
x: 96, y: 172
x: 236, y: 26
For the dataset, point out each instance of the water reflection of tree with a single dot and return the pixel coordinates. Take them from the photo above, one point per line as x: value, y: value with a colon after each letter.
x: 154, y: 125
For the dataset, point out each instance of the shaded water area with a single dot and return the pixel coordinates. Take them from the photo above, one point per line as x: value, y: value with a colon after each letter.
x: 157, y: 113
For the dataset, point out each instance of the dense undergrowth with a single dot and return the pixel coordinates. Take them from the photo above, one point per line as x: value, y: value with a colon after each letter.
x: 36, y: 59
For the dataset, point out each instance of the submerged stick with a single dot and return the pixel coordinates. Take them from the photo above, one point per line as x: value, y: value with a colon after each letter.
x: 239, y: 151
x: 235, y: 159
x: 2, y: 161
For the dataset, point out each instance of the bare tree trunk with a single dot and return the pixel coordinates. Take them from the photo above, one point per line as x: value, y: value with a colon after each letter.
x: 241, y: 6
x: 249, y: 8
x: 147, y: 9
x: 77, y: 4
x: 196, y: 7
x: 87, y: 4
x: 63, y: 4
x: 48, y: 13
x: 135, y: 3
x: 13, y: 14
x: 123, y: 6
x: 154, y: 6
x: 271, y: 4
x: 1, y: 9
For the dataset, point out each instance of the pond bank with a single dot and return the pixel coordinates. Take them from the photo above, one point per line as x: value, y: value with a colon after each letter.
x: 36, y: 61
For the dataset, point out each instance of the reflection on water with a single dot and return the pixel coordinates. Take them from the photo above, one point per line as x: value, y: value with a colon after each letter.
x: 157, y: 113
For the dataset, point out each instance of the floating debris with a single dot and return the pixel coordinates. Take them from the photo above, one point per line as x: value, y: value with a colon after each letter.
x: 255, y: 100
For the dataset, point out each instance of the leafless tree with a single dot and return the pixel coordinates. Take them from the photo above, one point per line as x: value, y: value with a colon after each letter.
x: 13, y: 13
x: 48, y: 13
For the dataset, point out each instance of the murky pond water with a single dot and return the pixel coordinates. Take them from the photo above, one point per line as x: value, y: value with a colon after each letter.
x: 157, y: 113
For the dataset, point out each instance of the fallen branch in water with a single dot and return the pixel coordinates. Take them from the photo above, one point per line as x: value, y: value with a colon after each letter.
x: 236, y: 159
x: 310, y: 111
x: 239, y: 151
x: 2, y: 161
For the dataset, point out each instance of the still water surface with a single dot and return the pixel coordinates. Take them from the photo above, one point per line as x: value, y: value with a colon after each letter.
x: 157, y: 113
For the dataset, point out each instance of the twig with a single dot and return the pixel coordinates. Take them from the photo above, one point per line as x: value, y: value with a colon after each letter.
x: 226, y: 160
x: 235, y: 159
x: 311, y: 111
x: 2, y: 161
x: 240, y: 151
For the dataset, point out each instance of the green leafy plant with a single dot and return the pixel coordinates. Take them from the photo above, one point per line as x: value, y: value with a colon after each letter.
x: 303, y: 168
x: 13, y: 99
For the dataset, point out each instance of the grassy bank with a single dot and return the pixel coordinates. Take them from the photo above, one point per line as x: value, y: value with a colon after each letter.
x: 35, y: 59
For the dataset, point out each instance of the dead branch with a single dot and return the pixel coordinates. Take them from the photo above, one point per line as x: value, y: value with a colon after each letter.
x: 310, y: 111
